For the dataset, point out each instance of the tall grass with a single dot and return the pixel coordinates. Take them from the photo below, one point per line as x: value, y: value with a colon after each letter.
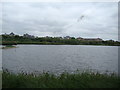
x: 65, y: 80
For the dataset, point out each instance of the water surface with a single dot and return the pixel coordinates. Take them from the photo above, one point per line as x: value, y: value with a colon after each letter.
x: 58, y: 58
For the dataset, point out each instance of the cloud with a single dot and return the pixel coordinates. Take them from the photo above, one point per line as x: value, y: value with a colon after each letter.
x: 61, y: 19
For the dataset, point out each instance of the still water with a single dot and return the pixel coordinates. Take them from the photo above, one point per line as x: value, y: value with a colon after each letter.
x: 60, y: 58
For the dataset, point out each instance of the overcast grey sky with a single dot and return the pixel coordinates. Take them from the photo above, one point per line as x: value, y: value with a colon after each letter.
x: 62, y: 19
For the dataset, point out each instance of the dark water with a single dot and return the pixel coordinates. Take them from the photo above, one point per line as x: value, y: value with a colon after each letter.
x: 58, y: 58
x: 0, y: 58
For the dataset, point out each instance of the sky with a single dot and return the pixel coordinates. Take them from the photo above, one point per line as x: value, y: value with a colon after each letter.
x: 59, y: 19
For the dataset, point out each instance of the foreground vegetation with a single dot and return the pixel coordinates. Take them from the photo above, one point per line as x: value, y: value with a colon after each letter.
x: 65, y: 80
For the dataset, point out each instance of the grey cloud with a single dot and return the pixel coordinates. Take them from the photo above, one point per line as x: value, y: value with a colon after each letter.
x: 60, y: 19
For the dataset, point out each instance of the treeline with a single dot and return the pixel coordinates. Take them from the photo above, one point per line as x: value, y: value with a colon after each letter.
x: 16, y: 39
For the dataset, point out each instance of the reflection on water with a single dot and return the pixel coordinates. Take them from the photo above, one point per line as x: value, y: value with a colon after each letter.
x: 58, y: 58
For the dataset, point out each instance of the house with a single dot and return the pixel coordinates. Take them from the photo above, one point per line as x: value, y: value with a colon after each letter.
x: 12, y: 34
x: 90, y: 39
x: 79, y: 38
x: 93, y: 39
x: 28, y: 36
x: 67, y: 37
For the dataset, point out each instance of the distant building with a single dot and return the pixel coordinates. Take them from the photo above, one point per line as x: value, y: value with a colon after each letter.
x: 12, y: 34
x: 93, y: 39
x: 79, y: 38
x: 28, y: 36
x: 90, y: 39
x: 67, y: 37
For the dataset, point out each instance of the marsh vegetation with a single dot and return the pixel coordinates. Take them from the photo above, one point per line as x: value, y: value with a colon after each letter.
x: 64, y: 80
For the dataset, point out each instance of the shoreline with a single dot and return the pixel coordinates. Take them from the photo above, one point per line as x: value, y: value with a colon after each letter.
x: 8, y: 47
x: 60, y: 44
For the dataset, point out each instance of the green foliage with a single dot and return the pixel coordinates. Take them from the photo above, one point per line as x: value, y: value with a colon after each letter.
x: 13, y: 40
x: 65, y: 80
x: 8, y: 47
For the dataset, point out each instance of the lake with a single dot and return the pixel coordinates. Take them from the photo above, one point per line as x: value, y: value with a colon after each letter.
x: 59, y: 58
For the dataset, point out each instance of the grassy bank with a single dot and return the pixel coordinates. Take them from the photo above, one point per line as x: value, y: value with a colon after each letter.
x: 8, y: 46
x: 57, y: 43
x: 65, y: 80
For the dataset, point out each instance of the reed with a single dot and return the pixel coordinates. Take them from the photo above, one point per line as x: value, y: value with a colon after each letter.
x: 64, y: 80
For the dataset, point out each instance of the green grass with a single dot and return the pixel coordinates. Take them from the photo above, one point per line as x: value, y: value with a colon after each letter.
x: 8, y: 46
x: 65, y: 80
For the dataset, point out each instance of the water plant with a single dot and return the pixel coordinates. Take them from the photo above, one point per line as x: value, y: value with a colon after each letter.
x: 64, y: 80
